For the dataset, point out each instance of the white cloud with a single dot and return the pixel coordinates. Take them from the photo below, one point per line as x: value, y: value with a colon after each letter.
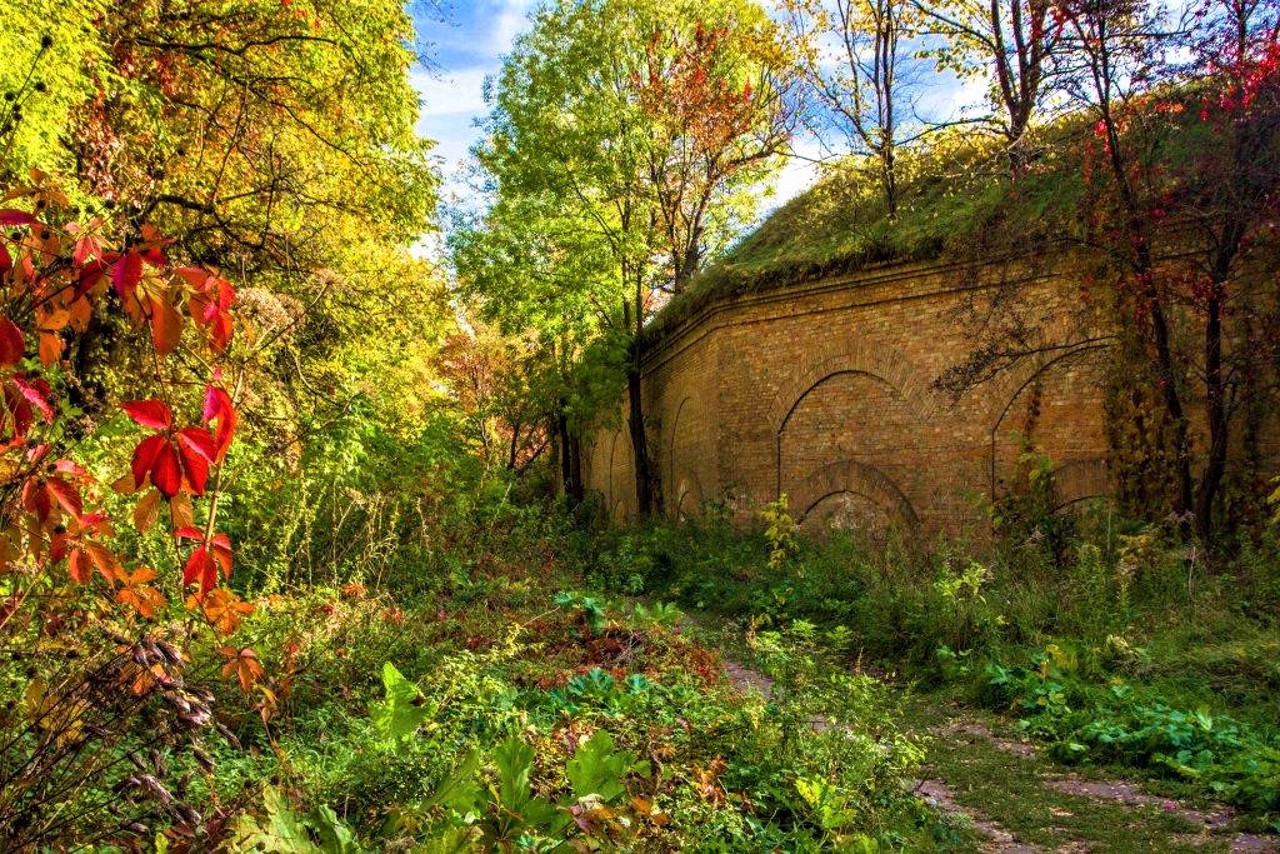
x: 451, y: 93
x: 798, y: 174
x: 508, y: 23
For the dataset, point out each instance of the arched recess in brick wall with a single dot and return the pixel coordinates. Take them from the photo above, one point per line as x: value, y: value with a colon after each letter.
x: 688, y: 496
x: 884, y: 363
x: 857, y: 495
x: 1081, y: 480
x: 863, y: 407
x: 1080, y: 465
x: 683, y: 485
x: 845, y: 436
x: 614, y: 497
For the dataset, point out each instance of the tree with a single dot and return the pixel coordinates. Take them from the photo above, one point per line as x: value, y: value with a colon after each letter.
x: 604, y: 192
x: 72, y: 604
x: 1179, y: 170
x: 497, y: 383
x: 1231, y: 199
x: 1011, y: 41
x: 1113, y: 52
x: 272, y: 139
x: 858, y: 63
x: 719, y: 101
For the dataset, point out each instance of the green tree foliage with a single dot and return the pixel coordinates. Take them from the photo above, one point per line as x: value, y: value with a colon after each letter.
x: 622, y: 138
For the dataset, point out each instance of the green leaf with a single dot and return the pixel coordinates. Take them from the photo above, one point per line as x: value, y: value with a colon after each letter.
x: 461, y: 792
x: 596, y: 769
x: 456, y: 840
x: 402, y: 711
x: 335, y: 837
x: 283, y: 833
x: 514, y: 761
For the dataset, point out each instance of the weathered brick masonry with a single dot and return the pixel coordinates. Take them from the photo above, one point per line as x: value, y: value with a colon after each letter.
x: 824, y: 391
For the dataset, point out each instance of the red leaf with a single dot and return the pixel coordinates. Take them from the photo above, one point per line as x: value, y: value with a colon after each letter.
x: 189, y: 533
x: 200, y: 567
x: 194, y: 276
x: 166, y: 474
x: 127, y: 273
x: 69, y: 466
x: 11, y: 343
x: 19, y: 411
x: 220, y: 332
x: 199, y: 441
x: 67, y: 495
x: 90, y: 275
x: 81, y: 566
x: 37, y: 393
x: 222, y: 553
x: 35, y: 499
x: 218, y: 407
x: 144, y: 457
x: 195, y: 469
x: 8, y: 216
x: 155, y: 257
x: 150, y: 413
x: 6, y: 260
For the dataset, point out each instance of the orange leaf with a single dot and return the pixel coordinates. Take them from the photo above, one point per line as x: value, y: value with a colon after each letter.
x: 181, y: 513
x: 243, y: 665
x: 139, y: 595
x: 81, y: 312
x: 80, y: 566
x: 166, y: 325
x: 105, y: 560
x: 223, y: 608
x: 51, y: 347
x: 147, y: 511
x: 125, y: 485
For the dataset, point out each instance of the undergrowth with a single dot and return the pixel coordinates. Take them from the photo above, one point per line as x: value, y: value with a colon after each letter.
x: 1114, y: 643
x: 501, y: 707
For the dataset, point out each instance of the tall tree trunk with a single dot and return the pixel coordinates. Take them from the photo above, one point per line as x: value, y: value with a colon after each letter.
x: 1216, y: 414
x: 576, y: 490
x: 633, y: 318
x: 890, y: 178
x: 639, y: 441
x: 569, y: 452
x: 562, y: 449
x: 1144, y: 272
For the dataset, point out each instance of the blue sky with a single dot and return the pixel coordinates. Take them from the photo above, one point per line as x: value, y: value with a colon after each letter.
x: 470, y: 44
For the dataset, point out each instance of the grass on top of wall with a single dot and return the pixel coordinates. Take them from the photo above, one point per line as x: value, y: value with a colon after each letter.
x: 957, y: 200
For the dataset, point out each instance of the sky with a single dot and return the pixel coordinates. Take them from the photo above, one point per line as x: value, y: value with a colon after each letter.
x: 470, y: 44
x: 466, y: 47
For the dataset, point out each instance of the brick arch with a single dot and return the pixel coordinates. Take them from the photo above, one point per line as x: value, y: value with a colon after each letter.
x: 1080, y: 480
x: 861, y: 479
x: 884, y: 364
x: 689, y: 498
x: 671, y: 446
x: 1007, y: 390
x: 614, y: 500
x: 619, y: 510
x: 682, y: 478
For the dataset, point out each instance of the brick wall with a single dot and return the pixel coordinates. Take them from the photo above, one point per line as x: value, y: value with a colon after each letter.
x: 824, y: 391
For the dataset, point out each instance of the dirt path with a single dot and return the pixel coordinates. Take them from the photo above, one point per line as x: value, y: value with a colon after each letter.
x: 1018, y: 801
